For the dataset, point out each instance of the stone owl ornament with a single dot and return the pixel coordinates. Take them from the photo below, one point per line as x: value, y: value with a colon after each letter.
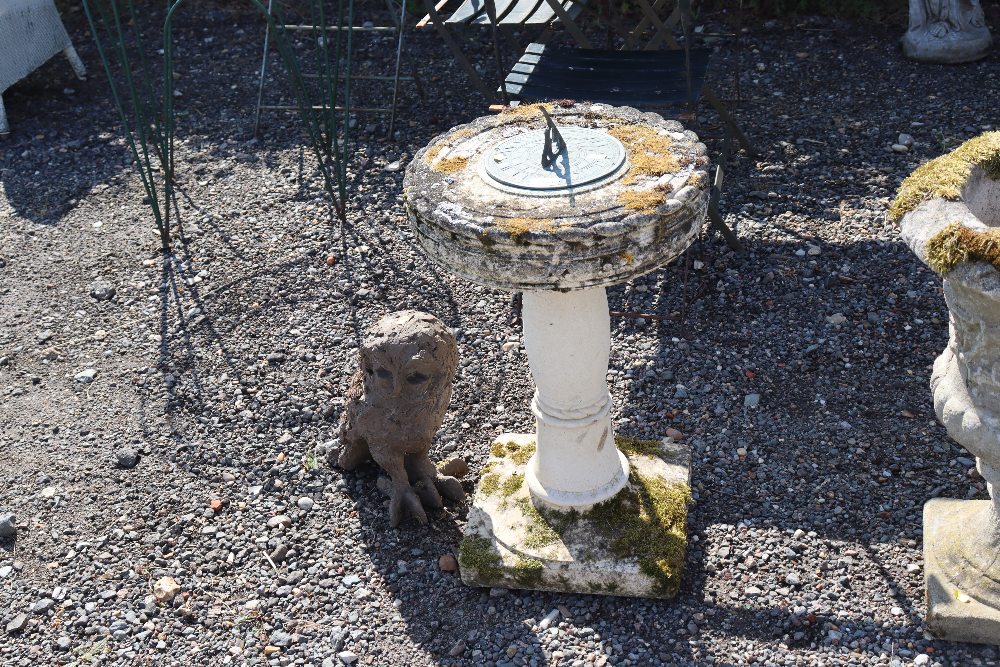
x: 395, y: 404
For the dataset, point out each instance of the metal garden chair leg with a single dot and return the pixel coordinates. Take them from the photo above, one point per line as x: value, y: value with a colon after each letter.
x: 456, y: 50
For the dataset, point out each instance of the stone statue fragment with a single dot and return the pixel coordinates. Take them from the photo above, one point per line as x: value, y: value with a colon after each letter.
x: 946, y: 31
x: 395, y: 404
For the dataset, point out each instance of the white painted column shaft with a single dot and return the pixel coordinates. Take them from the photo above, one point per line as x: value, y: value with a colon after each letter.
x: 567, y: 336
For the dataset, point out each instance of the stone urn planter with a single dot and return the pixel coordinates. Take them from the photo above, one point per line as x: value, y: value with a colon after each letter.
x: 949, y: 209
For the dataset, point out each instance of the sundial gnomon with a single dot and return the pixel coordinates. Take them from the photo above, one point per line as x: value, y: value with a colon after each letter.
x: 589, y: 158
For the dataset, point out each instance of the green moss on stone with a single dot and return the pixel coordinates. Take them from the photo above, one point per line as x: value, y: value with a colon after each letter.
x: 527, y: 571
x: 511, y: 485
x: 479, y: 553
x: 648, y: 521
x: 957, y: 243
x: 490, y: 484
x: 543, y: 527
x: 945, y: 176
x: 519, y: 454
x: 635, y: 447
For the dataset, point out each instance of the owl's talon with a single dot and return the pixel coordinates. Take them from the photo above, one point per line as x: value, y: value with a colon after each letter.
x: 405, y: 501
x: 429, y: 496
x: 450, y: 488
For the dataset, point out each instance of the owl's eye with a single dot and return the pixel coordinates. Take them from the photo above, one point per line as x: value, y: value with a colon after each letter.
x: 384, y: 374
x: 369, y: 371
x: 416, y: 378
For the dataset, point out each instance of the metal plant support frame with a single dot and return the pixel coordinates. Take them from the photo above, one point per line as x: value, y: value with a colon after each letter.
x: 150, y: 135
x: 399, y: 27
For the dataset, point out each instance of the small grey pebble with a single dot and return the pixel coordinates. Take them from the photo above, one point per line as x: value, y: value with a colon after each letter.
x: 102, y: 290
x: 126, y: 457
x: 43, y: 606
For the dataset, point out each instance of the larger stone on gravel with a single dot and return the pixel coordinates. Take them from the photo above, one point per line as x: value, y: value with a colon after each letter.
x: 102, y: 290
x: 8, y: 525
x: 281, y: 520
x: 166, y: 589
x: 86, y: 376
x: 43, y: 606
x: 347, y: 657
x: 19, y: 623
x: 126, y: 457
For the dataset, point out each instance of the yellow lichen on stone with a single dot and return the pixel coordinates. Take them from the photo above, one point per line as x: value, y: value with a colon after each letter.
x: 527, y: 110
x: 648, y: 151
x: 945, y: 176
x: 649, y: 156
x: 641, y: 200
x: 957, y: 243
x: 445, y: 165
x: 518, y: 227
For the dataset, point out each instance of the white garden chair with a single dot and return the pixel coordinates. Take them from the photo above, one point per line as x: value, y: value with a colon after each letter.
x: 31, y: 32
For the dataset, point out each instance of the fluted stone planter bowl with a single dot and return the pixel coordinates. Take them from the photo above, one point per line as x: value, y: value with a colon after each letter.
x: 950, y: 216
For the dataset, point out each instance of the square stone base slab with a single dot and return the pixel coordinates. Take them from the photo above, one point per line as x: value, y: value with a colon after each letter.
x: 509, y: 543
x: 951, y: 614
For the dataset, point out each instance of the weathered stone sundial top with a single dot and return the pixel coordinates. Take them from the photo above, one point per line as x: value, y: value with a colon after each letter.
x: 628, y: 194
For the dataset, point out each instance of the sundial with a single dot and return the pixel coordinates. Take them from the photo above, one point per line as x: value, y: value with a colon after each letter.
x: 558, y: 202
x: 589, y: 158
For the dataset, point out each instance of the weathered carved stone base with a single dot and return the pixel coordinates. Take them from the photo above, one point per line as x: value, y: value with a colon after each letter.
x: 957, y: 604
x: 633, y: 544
x: 952, y: 49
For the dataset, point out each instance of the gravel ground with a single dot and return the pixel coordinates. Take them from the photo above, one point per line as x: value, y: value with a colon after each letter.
x: 172, y: 418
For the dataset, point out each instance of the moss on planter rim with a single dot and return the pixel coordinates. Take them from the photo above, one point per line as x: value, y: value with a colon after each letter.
x: 945, y: 176
x: 957, y: 243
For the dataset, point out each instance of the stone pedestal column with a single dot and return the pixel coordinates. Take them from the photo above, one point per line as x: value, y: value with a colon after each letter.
x: 568, y: 340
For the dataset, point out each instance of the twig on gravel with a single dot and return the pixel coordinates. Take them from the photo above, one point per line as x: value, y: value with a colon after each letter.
x: 268, y: 557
